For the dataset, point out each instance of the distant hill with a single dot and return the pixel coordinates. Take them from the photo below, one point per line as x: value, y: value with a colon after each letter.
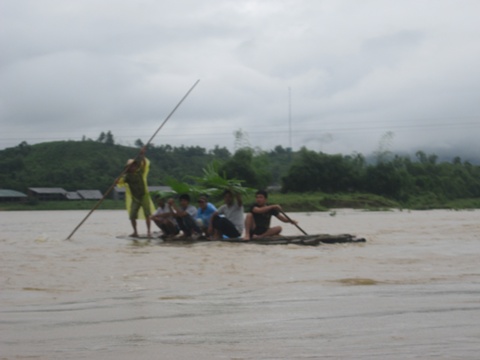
x: 90, y: 164
x: 442, y: 155
x: 464, y: 153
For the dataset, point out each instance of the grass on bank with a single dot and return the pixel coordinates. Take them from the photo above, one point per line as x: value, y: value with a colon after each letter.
x: 291, y: 202
x: 63, y: 205
x: 324, y: 202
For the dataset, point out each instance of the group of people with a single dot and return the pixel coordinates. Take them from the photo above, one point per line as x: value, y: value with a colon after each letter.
x: 183, y: 219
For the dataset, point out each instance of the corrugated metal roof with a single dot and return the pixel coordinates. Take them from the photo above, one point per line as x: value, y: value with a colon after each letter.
x: 90, y: 194
x: 159, y: 188
x: 73, y: 195
x: 120, y: 190
x: 48, y: 190
x: 11, y: 193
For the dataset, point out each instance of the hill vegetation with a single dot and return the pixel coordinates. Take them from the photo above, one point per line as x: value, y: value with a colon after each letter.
x: 90, y: 164
x: 421, y: 182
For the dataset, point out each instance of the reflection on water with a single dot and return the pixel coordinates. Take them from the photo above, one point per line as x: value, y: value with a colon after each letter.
x: 412, y: 290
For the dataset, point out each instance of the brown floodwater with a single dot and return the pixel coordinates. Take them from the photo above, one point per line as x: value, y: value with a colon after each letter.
x: 411, y: 291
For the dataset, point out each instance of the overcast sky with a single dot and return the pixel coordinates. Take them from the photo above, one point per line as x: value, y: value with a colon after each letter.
x: 333, y: 75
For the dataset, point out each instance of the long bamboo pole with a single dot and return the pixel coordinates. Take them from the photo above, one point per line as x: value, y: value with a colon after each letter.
x: 126, y: 168
x: 291, y: 221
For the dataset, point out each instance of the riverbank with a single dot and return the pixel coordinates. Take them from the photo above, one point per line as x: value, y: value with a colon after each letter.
x: 292, y: 202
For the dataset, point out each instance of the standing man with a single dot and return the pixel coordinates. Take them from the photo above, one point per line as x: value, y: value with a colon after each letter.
x: 257, y: 221
x: 228, y: 219
x: 137, y: 198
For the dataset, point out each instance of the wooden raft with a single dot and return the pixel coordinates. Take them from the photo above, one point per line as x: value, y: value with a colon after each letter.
x: 309, y: 240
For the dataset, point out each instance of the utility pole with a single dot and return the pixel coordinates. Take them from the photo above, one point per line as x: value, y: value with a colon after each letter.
x: 290, y: 118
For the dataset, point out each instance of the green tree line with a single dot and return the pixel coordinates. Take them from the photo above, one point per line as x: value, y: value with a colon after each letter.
x: 95, y: 164
x: 400, y: 178
x: 90, y: 164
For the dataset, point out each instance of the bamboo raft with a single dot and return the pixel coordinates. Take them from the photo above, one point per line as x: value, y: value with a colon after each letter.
x: 308, y: 240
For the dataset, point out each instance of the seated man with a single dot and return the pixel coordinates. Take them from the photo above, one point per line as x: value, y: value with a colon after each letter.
x: 204, y: 213
x: 257, y: 221
x: 185, y: 215
x: 228, y: 219
x: 164, y: 219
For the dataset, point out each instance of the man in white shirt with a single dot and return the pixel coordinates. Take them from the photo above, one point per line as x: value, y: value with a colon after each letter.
x: 163, y: 218
x: 185, y: 215
x: 228, y: 219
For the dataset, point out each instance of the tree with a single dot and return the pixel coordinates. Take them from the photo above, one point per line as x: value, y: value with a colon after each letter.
x: 422, y: 157
x: 263, y: 171
x: 109, y: 138
x: 240, y: 167
x: 384, y: 179
x: 220, y: 153
x: 313, y: 171
x: 101, y: 137
x: 241, y: 140
x: 383, y: 152
x: 280, y: 150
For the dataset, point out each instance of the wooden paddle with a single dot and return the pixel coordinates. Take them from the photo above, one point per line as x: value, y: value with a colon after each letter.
x: 126, y: 168
x: 291, y: 221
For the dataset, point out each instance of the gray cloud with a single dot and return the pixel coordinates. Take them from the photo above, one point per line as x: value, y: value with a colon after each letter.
x: 355, y: 69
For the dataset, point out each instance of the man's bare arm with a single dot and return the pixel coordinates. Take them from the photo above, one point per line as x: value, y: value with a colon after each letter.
x: 264, y: 209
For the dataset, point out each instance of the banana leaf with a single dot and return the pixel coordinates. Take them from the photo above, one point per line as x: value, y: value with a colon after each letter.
x: 211, y: 184
x: 179, y: 188
x: 217, y: 183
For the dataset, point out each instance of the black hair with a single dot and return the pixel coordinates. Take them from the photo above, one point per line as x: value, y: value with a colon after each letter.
x: 227, y: 191
x: 262, y: 192
x: 184, y: 197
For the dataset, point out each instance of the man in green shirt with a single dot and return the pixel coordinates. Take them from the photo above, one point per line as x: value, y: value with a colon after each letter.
x: 137, y: 197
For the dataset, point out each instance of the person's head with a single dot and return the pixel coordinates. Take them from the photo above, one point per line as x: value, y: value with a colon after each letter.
x: 131, y: 165
x: 160, y: 200
x: 261, y: 197
x: 228, y: 197
x: 184, y: 200
x: 202, y: 202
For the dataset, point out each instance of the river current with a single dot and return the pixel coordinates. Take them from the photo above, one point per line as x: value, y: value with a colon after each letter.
x: 411, y: 291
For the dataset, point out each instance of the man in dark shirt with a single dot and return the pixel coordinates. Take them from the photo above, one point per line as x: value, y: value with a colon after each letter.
x: 257, y: 220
